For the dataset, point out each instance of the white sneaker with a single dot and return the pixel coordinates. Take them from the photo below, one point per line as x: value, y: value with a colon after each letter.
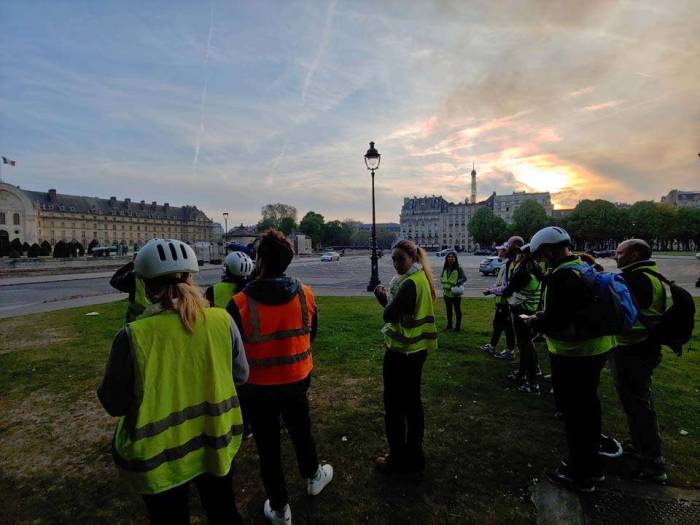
x: 323, y: 477
x: 487, y: 348
x: 277, y: 517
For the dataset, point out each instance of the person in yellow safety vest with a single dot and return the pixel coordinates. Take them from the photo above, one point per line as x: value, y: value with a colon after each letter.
x: 501, y: 318
x: 633, y: 361
x: 409, y: 333
x: 576, y: 364
x: 171, y: 379
x: 451, y: 280
x: 126, y: 281
x: 237, y: 268
x: 277, y: 318
x: 523, y: 292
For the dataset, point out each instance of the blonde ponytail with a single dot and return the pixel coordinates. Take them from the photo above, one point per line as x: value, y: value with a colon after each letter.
x: 182, y: 296
x: 425, y: 263
x: 418, y: 254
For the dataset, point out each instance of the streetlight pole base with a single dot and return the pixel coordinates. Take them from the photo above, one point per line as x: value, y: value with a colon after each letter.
x: 374, y: 279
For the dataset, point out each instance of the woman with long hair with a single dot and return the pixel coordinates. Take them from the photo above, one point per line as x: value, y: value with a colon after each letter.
x: 409, y: 333
x: 451, y: 279
x: 171, y: 379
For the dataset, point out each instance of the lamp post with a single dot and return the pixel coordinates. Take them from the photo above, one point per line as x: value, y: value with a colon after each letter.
x: 225, y: 230
x: 372, y: 158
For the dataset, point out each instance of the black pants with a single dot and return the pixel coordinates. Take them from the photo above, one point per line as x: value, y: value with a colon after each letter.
x: 404, y: 409
x: 265, y: 405
x: 456, y: 304
x: 216, y: 493
x: 502, y: 323
x: 632, y: 369
x: 575, y: 381
x: 528, y: 355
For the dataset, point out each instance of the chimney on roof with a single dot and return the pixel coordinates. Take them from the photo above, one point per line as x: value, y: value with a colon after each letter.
x: 52, y: 195
x: 153, y: 205
x: 127, y: 203
x: 112, y: 201
x: 166, y: 206
x: 142, y: 205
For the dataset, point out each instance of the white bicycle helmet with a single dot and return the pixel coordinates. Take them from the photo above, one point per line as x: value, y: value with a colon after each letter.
x: 549, y: 236
x: 161, y: 257
x: 239, y: 264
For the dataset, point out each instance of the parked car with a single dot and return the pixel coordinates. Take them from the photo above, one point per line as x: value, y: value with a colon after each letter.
x: 601, y: 254
x: 330, y: 256
x: 443, y: 253
x: 490, y: 266
x: 482, y: 251
x: 697, y: 255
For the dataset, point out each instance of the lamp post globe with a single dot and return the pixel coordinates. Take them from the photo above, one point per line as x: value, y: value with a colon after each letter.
x: 372, y: 158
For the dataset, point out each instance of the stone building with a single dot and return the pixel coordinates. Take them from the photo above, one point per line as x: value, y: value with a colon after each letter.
x: 437, y: 224
x: 34, y: 217
x: 682, y: 199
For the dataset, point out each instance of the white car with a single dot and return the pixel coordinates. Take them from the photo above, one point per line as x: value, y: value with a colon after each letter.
x: 330, y: 256
x: 697, y: 255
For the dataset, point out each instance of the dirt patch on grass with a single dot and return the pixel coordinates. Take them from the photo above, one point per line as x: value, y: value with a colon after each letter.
x: 44, y: 434
x: 19, y: 334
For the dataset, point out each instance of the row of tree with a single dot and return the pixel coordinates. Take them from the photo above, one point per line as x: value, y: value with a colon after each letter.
x: 349, y: 232
x: 16, y: 249
x: 597, y: 224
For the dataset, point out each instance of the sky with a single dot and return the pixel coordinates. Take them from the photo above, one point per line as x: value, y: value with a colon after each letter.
x: 230, y: 105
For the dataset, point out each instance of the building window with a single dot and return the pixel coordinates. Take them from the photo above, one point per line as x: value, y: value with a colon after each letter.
x: 15, y: 219
x: 2, y: 217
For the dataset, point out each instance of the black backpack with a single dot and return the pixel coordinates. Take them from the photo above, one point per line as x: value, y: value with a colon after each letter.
x: 676, y: 326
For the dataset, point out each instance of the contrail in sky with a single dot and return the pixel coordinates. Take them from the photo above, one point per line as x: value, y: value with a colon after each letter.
x: 320, y: 50
x: 204, y: 94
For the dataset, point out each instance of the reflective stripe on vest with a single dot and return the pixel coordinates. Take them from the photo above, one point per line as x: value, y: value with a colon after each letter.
x: 223, y: 292
x: 652, y: 314
x: 277, y: 337
x: 417, y: 332
x: 448, y: 279
x: 182, y: 424
x: 140, y: 303
x: 531, y: 294
x: 587, y: 347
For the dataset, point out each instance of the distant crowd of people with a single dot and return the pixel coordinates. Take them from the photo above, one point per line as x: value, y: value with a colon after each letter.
x: 190, y: 375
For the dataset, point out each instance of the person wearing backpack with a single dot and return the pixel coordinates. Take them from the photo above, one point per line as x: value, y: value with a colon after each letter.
x: 638, y: 353
x: 451, y: 280
x: 576, y: 361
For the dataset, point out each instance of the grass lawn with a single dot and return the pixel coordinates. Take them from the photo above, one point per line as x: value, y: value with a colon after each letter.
x: 485, y: 443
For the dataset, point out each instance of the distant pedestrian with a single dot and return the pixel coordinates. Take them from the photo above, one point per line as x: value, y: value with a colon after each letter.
x: 637, y: 355
x: 237, y: 268
x: 501, y: 319
x: 171, y: 379
x: 125, y: 280
x: 409, y: 333
x: 452, y: 278
x: 278, y: 320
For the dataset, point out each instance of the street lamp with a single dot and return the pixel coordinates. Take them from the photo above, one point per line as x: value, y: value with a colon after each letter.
x: 372, y: 158
x: 225, y: 230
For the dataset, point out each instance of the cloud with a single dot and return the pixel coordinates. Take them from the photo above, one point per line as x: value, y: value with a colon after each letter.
x: 604, y: 105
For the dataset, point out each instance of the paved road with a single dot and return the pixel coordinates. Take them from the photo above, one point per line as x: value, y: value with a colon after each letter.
x: 349, y: 276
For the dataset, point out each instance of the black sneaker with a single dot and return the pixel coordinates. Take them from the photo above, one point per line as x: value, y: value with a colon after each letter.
x: 561, y: 478
x: 609, y: 447
x: 529, y: 388
x: 650, y: 470
x: 598, y: 475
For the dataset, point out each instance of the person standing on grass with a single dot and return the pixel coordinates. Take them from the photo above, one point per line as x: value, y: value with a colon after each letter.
x: 637, y: 355
x: 171, y: 379
x: 512, y: 251
x: 237, y: 267
x: 409, y: 333
x: 125, y: 280
x: 576, y: 361
x: 524, y: 291
x: 501, y: 319
x: 452, y: 279
x: 278, y: 320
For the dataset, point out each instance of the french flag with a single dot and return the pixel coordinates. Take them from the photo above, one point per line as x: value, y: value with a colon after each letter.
x: 11, y: 162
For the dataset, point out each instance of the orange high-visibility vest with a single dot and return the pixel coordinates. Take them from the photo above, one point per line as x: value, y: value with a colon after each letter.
x: 277, y: 337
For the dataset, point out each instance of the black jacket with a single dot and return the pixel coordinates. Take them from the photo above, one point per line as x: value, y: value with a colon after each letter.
x: 124, y: 280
